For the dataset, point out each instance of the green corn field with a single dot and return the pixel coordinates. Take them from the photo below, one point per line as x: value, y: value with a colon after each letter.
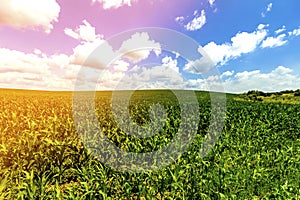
x: 42, y: 155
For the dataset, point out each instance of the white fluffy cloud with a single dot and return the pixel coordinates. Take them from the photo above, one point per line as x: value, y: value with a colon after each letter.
x: 93, y: 51
x: 99, y: 57
x: 139, y: 47
x: 32, y: 14
x: 281, y: 78
x: 92, y: 56
x: 201, y: 65
x: 272, y: 42
x: 282, y: 29
x: 241, y: 43
x: 108, y: 4
x: 172, y: 63
x: 15, y: 61
x: 198, y: 22
x: 227, y: 74
x: 120, y: 66
x: 158, y: 77
x: 85, y: 32
x: 262, y: 26
x: 295, y: 32
x: 97, y: 54
x: 36, y: 71
x: 139, y: 77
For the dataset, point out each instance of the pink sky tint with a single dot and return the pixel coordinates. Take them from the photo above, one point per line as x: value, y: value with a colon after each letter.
x: 108, y: 22
x: 48, y: 36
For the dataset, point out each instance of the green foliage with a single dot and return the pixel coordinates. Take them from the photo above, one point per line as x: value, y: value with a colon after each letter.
x: 297, y: 93
x: 286, y: 96
x: 42, y: 157
x: 287, y: 92
x: 256, y: 93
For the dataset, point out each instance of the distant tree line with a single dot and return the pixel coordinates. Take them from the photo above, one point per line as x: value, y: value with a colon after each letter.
x: 256, y: 95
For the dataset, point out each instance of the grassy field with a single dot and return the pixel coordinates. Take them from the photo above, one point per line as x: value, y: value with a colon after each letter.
x: 42, y: 157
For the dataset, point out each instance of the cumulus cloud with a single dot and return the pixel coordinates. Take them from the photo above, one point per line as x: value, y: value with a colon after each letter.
x: 16, y: 61
x: 59, y: 66
x: 85, y: 32
x: 282, y: 29
x: 97, y: 54
x: 281, y: 78
x: 21, y: 80
x: 172, y: 63
x: 108, y: 4
x: 199, y: 66
x: 120, y: 66
x: 93, y: 51
x: 227, y: 74
x: 197, y: 23
x: 36, y: 70
x: 211, y: 83
x: 295, y: 32
x: 139, y: 47
x: 93, y: 56
x: 33, y: 14
x: 241, y: 43
x: 139, y: 77
x: 165, y: 75
x: 272, y: 42
x: 262, y: 26
x: 158, y: 77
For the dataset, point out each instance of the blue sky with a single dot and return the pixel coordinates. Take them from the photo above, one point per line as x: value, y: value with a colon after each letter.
x: 253, y: 44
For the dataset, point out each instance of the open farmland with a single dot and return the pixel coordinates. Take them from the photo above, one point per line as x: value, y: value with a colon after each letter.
x: 42, y: 157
